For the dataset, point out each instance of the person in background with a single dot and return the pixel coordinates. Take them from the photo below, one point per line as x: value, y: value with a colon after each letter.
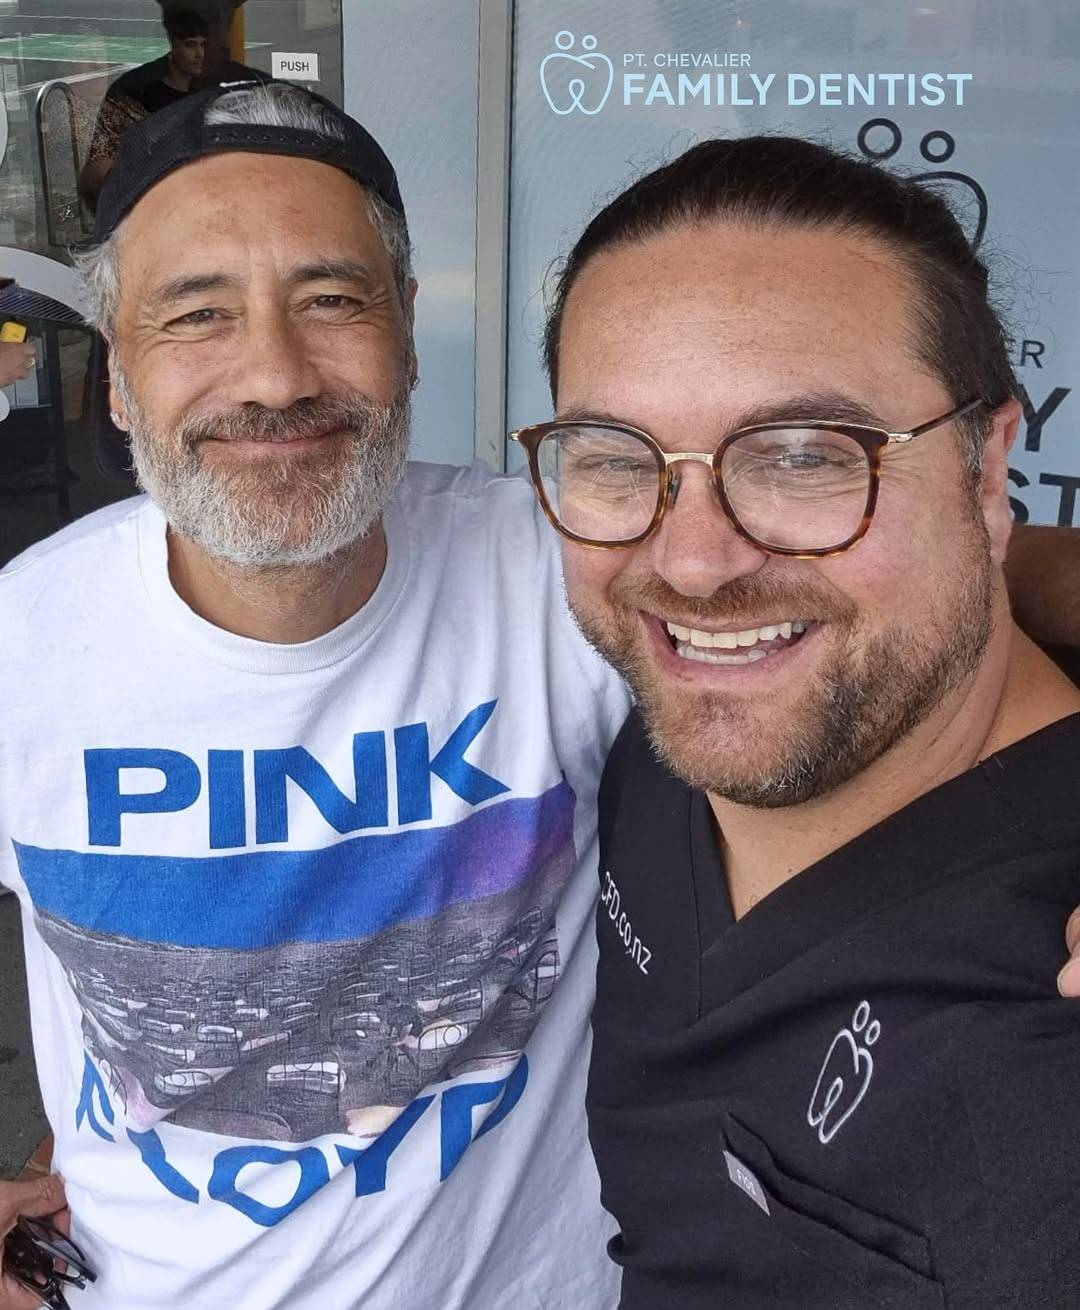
x: 17, y: 359
x: 198, y: 57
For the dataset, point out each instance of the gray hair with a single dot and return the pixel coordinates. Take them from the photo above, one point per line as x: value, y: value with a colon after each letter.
x: 272, y: 105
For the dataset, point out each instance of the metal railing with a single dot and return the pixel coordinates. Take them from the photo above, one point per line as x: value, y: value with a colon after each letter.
x: 56, y: 131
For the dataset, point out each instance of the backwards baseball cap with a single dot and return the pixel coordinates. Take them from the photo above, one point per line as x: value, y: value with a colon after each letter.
x: 179, y: 134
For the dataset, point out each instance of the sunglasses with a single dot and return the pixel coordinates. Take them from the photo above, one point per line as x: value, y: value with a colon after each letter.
x: 31, y: 1250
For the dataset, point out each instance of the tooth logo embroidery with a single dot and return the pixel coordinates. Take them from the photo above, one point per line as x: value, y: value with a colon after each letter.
x: 845, y: 1076
x: 571, y: 81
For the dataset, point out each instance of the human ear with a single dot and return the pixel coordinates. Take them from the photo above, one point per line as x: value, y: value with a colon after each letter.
x: 994, y: 488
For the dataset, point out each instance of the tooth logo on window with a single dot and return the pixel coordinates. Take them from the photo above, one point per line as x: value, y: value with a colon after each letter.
x: 964, y: 195
x: 845, y: 1076
x: 576, y: 81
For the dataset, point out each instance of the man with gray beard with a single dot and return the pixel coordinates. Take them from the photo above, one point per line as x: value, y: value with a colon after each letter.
x: 247, y: 516
x: 299, y: 809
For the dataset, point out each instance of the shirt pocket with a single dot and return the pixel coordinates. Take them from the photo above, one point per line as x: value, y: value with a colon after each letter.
x: 887, y: 1264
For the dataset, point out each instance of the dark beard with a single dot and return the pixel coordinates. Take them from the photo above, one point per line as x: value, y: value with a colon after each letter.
x: 868, y: 697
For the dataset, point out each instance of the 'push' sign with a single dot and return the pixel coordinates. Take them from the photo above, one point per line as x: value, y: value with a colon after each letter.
x: 295, y: 68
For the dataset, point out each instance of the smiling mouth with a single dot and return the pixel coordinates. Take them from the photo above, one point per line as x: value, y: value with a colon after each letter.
x: 736, y: 646
x: 263, y: 439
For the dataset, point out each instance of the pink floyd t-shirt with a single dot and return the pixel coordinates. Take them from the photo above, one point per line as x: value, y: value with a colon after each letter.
x: 309, y: 927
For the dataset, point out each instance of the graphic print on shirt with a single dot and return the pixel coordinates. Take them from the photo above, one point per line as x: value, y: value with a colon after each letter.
x: 283, y: 995
x: 845, y: 1076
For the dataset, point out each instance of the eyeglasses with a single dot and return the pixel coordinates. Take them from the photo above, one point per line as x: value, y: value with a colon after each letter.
x: 806, y: 489
x: 31, y: 1249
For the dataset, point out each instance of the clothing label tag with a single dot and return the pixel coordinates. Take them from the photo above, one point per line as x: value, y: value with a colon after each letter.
x: 295, y: 67
x: 743, y: 1177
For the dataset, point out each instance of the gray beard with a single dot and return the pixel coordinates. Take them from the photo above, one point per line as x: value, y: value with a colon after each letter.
x: 301, y: 510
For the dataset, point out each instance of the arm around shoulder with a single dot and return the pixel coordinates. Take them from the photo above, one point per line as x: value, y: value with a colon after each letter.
x: 1043, y: 573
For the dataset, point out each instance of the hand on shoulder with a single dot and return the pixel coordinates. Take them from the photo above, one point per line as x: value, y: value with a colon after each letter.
x: 1069, y: 978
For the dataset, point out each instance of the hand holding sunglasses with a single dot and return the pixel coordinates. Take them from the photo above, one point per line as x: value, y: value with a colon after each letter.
x: 30, y: 1274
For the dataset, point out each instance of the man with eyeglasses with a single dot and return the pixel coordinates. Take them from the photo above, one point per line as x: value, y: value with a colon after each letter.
x: 840, y: 831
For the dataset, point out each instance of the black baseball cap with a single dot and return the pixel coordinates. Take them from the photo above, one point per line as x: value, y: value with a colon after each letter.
x: 179, y: 134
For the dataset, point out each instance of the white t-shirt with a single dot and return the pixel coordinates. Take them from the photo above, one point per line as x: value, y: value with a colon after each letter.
x: 308, y: 927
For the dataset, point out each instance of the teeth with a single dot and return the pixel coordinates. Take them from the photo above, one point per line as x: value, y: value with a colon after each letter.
x: 715, y: 657
x: 726, y: 640
x: 701, y: 640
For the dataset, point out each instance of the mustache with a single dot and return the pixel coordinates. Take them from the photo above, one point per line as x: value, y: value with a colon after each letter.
x: 741, y: 600
x: 314, y: 416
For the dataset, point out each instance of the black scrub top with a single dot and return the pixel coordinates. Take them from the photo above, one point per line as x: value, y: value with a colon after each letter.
x: 865, y: 1092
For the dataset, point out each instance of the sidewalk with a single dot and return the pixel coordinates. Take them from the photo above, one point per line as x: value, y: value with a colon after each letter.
x: 22, y: 1123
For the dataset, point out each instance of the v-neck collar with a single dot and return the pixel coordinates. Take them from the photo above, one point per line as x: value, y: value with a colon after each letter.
x: 937, y: 838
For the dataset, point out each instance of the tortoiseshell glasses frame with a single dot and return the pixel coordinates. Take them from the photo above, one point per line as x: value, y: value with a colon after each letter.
x: 871, y: 440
